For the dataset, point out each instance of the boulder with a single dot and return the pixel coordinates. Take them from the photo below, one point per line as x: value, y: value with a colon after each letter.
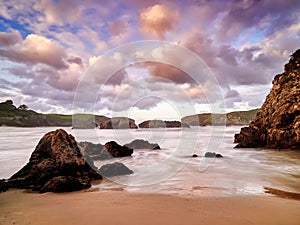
x: 56, y: 156
x: 116, y: 150
x: 277, y: 124
x: 114, y: 169
x: 212, y: 155
x: 140, y: 143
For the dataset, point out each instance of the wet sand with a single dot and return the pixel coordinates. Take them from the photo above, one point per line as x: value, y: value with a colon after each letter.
x: 120, y: 207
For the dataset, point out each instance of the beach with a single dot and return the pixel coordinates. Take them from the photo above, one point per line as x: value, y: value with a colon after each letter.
x: 121, y: 207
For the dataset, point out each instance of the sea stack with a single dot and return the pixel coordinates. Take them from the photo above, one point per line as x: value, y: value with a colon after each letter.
x: 56, y: 165
x: 277, y: 123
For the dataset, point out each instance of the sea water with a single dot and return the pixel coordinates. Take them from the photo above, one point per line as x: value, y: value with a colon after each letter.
x: 172, y: 170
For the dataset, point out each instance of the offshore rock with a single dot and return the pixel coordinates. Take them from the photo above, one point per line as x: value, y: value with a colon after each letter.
x: 114, y: 169
x: 140, y: 143
x: 277, y: 123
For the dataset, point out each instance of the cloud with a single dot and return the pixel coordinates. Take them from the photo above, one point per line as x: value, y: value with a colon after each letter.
x: 157, y: 20
x: 37, y: 49
x: 59, y: 12
x: 10, y: 38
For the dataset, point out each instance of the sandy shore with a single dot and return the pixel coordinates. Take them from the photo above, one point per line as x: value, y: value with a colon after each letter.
x: 119, y: 207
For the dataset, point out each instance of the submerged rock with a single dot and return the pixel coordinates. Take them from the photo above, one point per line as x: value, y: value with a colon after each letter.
x: 212, y: 155
x: 55, y: 162
x: 140, y: 143
x: 277, y: 123
x: 114, y: 169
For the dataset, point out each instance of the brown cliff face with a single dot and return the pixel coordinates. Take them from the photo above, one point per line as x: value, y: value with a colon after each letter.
x: 277, y: 123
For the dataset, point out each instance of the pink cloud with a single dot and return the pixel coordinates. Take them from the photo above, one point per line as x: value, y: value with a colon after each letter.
x: 37, y: 49
x: 10, y: 38
x: 157, y: 20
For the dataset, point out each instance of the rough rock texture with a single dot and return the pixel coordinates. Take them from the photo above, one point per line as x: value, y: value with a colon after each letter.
x: 114, y: 169
x: 116, y: 150
x: 161, y: 124
x: 101, y: 152
x: 277, y: 123
x: 55, y: 162
x: 140, y: 143
x: 118, y: 123
x: 212, y: 155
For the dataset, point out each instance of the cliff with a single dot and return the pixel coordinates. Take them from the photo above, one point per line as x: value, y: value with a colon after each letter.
x: 277, y: 123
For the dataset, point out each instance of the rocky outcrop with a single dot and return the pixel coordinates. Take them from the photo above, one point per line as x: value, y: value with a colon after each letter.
x: 140, y: 144
x: 55, y: 165
x: 161, y: 124
x: 101, y: 152
x: 116, y: 150
x: 118, y: 123
x: 277, y: 123
x: 114, y: 169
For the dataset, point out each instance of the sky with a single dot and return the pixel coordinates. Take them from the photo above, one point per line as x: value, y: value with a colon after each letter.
x: 135, y: 57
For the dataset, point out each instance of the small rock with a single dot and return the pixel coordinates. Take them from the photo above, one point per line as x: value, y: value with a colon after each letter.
x: 114, y: 169
x: 194, y: 155
x: 140, y: 143
x: 212, y: 155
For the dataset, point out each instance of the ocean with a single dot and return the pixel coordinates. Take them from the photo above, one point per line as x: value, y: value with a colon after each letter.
x: 172, y: 170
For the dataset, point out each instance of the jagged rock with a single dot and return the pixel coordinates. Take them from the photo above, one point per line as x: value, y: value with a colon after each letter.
x: 118, y: 123
x: 162, y: 124
x: 140, y: 143
x: 63, y: 184
x: 116, y: 150
x: 114, y: 169
x: 277, y: 123
x: 56, y: 155
x: 212, y: 155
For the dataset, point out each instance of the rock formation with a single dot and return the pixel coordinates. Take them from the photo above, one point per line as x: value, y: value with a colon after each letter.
x: 161, y: 124
x: 118, y: 123
x: 140, y: 143
x: 101, y: 152
x: 56, y: 165
x: 114, y: 169
x: 277, y: 123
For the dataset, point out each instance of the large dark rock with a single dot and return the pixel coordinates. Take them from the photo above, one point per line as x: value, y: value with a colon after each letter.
x: 114, y: 169
x: 277, y: 123
x: 118, y: 123
x: 116, y: 150
x: 162, y: 124
x: 56, y: 155
x: 63, y: 184
x: 140, y: 143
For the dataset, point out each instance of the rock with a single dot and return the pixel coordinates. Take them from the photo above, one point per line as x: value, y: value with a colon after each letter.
x: 194, y: 155
x: 277, y: 124
x: 212, y: 155
x: 63, y: 184
x: 140, y: 143
x: 118, y: 123
x: 90, y: 148
x: 114, y: 169
x: 162, y: 124
x: 56, y: 156
x: 116, y: 150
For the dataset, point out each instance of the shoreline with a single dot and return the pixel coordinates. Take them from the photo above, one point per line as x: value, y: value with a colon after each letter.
x: 121, y: 207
